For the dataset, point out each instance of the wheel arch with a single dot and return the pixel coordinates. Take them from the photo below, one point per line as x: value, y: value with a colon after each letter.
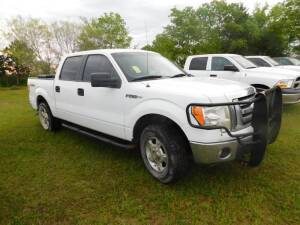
x: 260, y: 87
x: 153, y: 118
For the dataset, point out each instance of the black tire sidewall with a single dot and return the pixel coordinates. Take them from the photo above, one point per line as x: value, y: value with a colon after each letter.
x: 169, y: 143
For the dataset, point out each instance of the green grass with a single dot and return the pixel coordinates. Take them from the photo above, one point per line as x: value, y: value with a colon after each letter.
x: 66, y: 178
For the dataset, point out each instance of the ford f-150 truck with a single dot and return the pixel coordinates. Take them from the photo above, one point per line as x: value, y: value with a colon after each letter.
x: 136, y: 98
x: 238, y: 68
x: 266, y: 61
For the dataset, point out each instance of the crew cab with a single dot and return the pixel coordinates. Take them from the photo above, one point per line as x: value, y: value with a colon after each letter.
x: 266, y: 61
x: 238, y: 68
x: 139, y: 99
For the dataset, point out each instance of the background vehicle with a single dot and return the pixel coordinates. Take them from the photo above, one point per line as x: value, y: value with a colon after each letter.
x: 266, y: 61
x: 138, y: 98
x: 287, y: 61
x: 238, y: 68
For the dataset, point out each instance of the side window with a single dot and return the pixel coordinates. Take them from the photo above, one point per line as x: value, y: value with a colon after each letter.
x: 198, y: 63
x: 97, y: 64
x: 218, y: 63
x: 71, y: 68
x: 259, y: 62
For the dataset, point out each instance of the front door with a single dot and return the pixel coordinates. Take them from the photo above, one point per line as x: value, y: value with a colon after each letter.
x: 102, y: 107
x: 217, y: 69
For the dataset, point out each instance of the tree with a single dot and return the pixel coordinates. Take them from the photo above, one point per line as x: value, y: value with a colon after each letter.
x: 289, y: 18
x: 213, y: 27
x: 65, y: 35
x: 2, y: 65
x: 37, y: 36
x: 108, y: 31
x: 20, y: 59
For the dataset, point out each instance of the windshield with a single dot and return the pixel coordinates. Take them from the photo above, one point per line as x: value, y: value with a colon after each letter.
x: 295, y: 61
x: 137, y: 65
x: 243, y: 62
x: 271, y: 61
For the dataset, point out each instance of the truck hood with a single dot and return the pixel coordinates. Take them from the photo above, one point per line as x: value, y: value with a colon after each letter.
x: 290, y: 67
x: 212, y: 88
x: 278, y: 73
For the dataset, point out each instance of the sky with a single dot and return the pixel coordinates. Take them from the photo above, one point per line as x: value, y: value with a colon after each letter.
x: 144, y: 18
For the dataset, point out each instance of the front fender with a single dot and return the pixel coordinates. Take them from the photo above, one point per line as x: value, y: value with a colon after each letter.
x: 155, y: 106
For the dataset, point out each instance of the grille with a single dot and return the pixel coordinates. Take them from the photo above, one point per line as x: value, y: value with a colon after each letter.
x: 297, y: 83
x: 244, y: 112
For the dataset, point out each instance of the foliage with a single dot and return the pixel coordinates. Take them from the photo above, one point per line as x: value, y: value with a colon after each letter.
x: 65, y: 36
x: 108, y: 31
x: 221, y: 27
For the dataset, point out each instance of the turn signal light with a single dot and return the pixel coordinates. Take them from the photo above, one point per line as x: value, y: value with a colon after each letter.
x: 197, y: 112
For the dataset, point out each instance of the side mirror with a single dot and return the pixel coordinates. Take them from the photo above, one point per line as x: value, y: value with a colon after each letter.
x: 230, y: 68
x: 105, y: 80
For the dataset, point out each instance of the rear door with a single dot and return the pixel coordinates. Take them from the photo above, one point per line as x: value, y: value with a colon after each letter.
x: 65, y: 89
x: 198, y: 66
x: 217, y: 69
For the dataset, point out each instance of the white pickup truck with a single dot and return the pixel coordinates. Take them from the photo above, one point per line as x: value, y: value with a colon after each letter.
x: 135, y: 98
x: 266, y: 61
x: 238, y: 68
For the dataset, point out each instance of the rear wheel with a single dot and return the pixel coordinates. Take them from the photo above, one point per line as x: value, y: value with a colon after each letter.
x: 47, y: 120
x: 164, y: 152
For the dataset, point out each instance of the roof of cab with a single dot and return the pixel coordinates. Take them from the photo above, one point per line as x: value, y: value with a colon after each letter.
x: 105, y: 51
x: 213, y: 55
x: 255, y: 56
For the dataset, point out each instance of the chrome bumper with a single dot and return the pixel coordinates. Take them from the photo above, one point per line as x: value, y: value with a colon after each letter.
x: 209, y: 153
x: 291, y: 98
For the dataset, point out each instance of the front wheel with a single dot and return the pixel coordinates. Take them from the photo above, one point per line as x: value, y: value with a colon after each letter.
x: 47, y: 120
x: 164, y: 152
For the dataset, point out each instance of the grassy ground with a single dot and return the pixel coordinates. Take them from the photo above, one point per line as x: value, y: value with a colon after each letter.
x: 66, y: 178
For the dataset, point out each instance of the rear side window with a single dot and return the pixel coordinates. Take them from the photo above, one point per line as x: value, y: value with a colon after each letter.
x: 218, y: 63
x: 198, y: 63
x: 259, y: 62
x: 71, y: 68
x: 97, y: 64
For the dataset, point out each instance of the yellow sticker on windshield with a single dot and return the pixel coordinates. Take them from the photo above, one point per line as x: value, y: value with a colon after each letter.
x: 136, y: 69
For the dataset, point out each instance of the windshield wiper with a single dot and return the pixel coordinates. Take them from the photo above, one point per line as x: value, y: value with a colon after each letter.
x: 146, y: 77
x: 251, y: 67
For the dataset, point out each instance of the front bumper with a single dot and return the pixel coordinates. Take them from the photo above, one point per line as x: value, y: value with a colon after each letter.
x: 266, y: 122
x: 290, y: 96
x: 204, y: 153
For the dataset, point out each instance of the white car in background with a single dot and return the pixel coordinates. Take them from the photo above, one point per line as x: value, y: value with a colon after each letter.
x: 266, y: 61
x: 287, y: 61
x: 238, y: 68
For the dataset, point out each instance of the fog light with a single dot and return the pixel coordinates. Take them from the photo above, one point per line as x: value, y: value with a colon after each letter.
x: 225, y: 153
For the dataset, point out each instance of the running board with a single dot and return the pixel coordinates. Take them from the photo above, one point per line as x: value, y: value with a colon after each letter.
x: 99, y: 137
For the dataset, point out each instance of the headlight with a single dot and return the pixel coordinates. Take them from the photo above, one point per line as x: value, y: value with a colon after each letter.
x: 285, y: 83
x: 210, y: 116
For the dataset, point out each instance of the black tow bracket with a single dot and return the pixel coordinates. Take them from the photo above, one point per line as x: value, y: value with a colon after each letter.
x: 266, y: 122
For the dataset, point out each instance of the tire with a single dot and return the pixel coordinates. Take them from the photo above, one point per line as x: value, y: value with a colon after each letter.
x: 47, y: 120
x: 164, y: 152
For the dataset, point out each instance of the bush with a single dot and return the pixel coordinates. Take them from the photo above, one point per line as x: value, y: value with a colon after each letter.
x: 12, y: 80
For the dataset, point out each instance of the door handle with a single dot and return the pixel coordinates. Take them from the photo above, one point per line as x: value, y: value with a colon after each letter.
x: 80, y: 91
x: 57, y: 88
x: 213, y: 75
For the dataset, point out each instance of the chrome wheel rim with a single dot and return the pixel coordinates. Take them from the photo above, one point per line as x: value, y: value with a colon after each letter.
x: 44, y: 117
x: 156, y: 155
